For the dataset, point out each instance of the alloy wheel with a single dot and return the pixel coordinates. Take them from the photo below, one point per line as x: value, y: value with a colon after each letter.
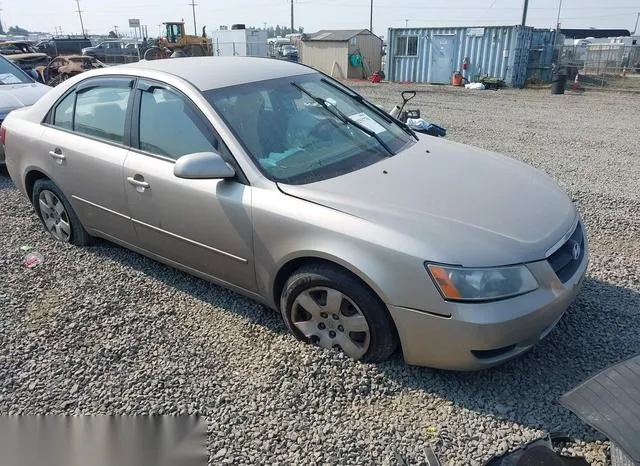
x: 54, y: 215
x: 331, y: 319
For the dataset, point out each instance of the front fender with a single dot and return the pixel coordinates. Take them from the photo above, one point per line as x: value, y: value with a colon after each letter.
x: 390, y: 263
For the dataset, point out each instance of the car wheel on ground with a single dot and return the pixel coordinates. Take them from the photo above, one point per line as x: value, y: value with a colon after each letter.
x: 331, y: 308
x: 57, y: 215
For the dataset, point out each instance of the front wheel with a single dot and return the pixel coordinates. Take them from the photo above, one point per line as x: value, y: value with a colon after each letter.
x: 331, y: 308
x: 154, y: 53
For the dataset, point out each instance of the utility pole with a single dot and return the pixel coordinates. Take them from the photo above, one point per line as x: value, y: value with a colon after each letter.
x: 524, y: 12
x: 635, y: 29
x: 558, y: 24
x: 79, y: 11
x: 558, y: 20
x: 292, y: 17
x: 406, y: 23
x: 371, y: 17
x: 193, y: 7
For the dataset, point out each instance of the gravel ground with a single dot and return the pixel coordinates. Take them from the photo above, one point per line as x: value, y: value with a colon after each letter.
x: 104, y: 330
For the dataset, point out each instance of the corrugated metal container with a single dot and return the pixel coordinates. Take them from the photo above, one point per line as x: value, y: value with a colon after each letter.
x: 541, y: 55
x: 432, y: 55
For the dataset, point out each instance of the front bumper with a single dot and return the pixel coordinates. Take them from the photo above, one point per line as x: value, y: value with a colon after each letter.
x: 481, y: 335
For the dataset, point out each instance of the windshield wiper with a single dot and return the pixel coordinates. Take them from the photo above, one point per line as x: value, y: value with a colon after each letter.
x: 372, y: 107
x: 344, y: 118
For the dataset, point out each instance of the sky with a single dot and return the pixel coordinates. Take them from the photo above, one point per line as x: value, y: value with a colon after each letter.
x: 100, y: 16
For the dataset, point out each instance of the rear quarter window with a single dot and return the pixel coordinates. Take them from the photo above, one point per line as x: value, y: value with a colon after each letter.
x: 63, y: 114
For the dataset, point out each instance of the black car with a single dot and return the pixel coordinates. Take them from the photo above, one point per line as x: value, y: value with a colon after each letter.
x: 63, y: 46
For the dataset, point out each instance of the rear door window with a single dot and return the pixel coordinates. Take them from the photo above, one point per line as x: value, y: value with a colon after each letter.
x: 101, y: 112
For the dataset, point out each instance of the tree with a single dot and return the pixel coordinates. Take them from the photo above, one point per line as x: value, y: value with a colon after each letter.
x: 113, y: 35
x: 281, y: 31
x: 17, y: 31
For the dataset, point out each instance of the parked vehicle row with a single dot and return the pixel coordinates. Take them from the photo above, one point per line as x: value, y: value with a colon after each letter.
x: 24, y: 55
x: 112, y: 51
x: 276, y: 181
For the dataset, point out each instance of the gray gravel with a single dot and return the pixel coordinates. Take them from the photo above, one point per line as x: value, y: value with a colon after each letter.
x: 103, y: 330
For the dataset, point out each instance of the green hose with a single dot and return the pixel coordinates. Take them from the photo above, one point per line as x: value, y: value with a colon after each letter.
x: 355, y: 59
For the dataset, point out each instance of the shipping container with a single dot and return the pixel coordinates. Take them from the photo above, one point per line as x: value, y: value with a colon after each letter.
x: 432, y: 55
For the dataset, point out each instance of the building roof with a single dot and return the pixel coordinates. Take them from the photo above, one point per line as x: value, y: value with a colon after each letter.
x: 595, y: 33
x: 330, y: 35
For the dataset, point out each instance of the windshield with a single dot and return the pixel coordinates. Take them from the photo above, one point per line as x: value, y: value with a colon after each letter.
x: 10, y: 74
x: 303, y: 129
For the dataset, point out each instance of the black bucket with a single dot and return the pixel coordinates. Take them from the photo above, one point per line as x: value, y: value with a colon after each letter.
x: 558, y: 84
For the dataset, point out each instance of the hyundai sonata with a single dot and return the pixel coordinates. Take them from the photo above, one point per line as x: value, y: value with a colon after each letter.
x: 272, y: 179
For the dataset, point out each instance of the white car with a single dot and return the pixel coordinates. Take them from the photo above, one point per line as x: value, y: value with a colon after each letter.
x: 17, y: 89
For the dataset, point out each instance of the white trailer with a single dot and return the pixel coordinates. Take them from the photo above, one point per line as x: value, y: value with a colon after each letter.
x: 240, y: 42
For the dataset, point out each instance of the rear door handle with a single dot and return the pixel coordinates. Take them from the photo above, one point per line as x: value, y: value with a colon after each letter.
x: 137, y: 183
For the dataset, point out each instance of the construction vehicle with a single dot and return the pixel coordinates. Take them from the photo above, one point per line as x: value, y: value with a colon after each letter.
x: 176, y: 43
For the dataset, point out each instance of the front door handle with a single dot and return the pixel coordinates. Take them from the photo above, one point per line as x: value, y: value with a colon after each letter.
x: 138, y: 183
x: 57, y: 154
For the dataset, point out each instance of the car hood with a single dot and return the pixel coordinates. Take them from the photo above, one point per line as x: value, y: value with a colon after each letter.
x: 463, y: 205
x: 14, y: 96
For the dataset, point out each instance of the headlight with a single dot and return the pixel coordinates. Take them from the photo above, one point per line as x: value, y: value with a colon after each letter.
x: 482, y: 284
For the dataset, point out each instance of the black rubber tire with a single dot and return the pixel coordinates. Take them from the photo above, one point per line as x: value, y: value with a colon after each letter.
x: 79, y: 235
x: 383, y: 336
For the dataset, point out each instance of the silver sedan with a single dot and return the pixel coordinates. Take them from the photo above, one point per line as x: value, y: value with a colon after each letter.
x: 274, y: 180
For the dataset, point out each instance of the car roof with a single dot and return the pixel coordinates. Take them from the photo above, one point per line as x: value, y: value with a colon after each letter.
x: 207, y: 73
x: 19, y: 56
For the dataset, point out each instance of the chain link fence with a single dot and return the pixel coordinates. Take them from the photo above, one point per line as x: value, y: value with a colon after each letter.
x: 611, y: 66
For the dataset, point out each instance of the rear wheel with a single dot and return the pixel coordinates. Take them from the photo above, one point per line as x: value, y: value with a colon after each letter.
x: 332, y: 309
x: 57, y: 215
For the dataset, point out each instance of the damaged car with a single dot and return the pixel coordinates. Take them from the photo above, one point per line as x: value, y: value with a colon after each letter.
x: 24, y: 55
x: 64, y: 67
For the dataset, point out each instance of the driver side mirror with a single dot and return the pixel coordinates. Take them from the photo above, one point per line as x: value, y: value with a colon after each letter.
x: 202, y: 166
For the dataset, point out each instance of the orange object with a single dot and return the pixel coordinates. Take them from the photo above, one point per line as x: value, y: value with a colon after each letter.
x: 456, y: 79
x: 444, y: 282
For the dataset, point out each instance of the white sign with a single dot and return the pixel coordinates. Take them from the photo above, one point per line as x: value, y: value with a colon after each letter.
x: 475, y: 32
x: 134, y: 23
x: 368, y: 122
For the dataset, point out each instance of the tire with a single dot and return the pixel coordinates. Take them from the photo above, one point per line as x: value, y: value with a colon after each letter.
x: 309, y: 308
x: 154, y: 53
x: 61, y: 221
